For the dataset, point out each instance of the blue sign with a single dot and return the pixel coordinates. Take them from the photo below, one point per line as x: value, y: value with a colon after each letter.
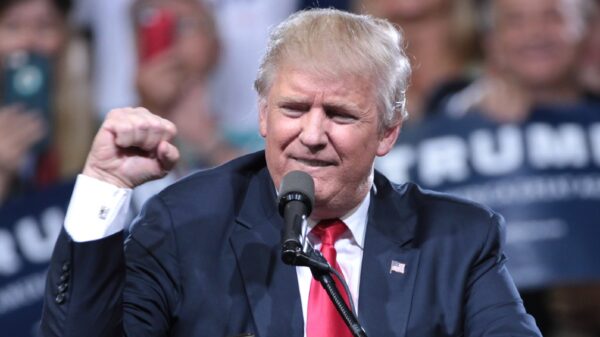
x: 29, y: 227
x: 542, y: 175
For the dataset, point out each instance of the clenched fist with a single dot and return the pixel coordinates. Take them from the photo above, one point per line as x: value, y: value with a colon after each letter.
x: 132, y: 147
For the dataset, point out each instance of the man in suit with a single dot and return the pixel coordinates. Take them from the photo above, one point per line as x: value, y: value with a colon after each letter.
x: 203, y: 257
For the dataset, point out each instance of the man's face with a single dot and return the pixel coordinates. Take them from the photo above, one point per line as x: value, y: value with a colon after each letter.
x: 536, y: 41
x: 327, y: 127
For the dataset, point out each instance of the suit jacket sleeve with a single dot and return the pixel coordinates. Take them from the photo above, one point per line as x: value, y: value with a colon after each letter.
x: 98, y: 288
x: 493, y: 305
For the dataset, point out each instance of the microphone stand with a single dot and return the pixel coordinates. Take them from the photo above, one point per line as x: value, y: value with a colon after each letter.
x: 321, y: 270
x: 327, y: 282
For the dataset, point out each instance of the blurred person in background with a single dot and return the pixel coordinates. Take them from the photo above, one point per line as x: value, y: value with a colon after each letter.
x: 243, y: 28
x: 46, y: 125
x: 533, y: 51
x: 440, y: 42
x: 40, y: 147
x: 178, y: 49
x: 524, y: 138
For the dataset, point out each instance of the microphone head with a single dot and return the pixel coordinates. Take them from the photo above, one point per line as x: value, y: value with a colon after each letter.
x: 297, y: 185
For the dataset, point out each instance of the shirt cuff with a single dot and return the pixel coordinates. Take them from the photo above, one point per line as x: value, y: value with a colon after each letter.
x: 97, y: 209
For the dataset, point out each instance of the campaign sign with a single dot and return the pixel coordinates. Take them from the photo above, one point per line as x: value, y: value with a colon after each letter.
x: 542, y: 175
x: 29, y: 226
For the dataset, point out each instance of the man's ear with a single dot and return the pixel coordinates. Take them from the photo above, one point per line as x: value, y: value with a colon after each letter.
x: 262, y: 116
x: 388, y: 139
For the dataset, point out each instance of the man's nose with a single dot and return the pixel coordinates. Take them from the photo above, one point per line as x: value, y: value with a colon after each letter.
x: 314, y: 133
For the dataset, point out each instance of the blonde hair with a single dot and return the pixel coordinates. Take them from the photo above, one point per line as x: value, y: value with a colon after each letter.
x: 336, y: 42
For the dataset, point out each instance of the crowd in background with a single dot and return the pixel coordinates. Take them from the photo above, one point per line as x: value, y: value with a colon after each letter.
x: 503, y: 93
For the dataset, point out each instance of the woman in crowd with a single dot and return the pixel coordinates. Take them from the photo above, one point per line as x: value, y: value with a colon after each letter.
x: 178, y: 48
x: 45, y: 122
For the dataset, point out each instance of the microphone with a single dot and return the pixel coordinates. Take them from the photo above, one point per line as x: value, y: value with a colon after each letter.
x: 296, y: 199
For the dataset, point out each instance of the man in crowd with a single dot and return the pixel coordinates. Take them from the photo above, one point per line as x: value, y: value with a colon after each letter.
x: 203, y: 257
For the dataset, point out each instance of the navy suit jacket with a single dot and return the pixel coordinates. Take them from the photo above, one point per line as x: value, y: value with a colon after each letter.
x: 203, y: 259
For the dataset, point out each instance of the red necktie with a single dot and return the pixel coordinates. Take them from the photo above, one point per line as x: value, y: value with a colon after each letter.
x: 323, y: 319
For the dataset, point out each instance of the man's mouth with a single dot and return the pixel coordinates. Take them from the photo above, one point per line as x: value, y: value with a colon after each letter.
x: 313, y: 162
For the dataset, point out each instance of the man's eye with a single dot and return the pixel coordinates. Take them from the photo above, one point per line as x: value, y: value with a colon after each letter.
x: 293, y: 110
x: 342, y: 118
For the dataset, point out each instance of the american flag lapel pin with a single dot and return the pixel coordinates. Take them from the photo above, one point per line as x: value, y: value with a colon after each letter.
x: 397, y: 267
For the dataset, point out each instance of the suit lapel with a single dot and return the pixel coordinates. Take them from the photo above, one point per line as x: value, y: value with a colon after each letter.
x: 271, y: 286
x: 385, y: 293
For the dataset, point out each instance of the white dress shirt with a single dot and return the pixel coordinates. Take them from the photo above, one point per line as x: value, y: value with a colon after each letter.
x: 97, y: 209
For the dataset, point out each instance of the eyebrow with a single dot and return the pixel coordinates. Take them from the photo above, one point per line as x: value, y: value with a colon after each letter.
x: 345, y: 106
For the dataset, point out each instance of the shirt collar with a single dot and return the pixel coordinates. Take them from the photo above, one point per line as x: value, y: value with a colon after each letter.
x: 355, y: 220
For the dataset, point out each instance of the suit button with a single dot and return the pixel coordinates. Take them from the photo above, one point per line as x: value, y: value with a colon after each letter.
x: 60, y: 298
x: 66, y: 266
x: 63, y: 287
x: 64, y: 276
